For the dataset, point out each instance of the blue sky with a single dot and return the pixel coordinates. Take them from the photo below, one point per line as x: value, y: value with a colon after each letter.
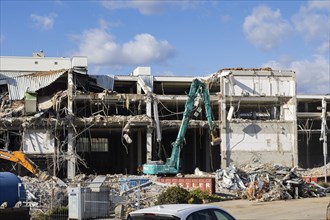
x: 176, y: 38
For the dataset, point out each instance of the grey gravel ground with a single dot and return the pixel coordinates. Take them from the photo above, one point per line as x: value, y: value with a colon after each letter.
x: 307, y: 208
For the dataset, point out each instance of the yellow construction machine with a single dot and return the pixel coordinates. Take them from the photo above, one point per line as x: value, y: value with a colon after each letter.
x: 20, y: 158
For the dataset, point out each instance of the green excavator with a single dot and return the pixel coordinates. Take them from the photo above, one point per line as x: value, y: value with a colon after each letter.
x: 198, y: 89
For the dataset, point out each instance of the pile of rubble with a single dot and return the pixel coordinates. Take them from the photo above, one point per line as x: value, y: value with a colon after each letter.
x: 262, y: 183
x: 43, y: 196
x: 268, y: 182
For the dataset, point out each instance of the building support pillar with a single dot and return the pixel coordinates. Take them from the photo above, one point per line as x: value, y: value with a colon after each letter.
x: 225, y: 154
x: 295, y: 132
x: 71, y: 163
x: 324, y: 136
x: 71, y: 168
x: 149, y: 132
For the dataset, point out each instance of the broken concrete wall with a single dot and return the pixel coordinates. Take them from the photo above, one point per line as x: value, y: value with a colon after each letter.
x: 260, y: 82
x: 258, y: 114
x: 38, y: 141
x: 260, y: 142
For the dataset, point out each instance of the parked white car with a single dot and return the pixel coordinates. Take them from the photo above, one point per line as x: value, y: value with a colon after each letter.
x: 182, y: 212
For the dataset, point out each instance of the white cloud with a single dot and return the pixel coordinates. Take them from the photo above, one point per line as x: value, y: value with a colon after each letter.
x: 319, y: 4
x: 313, y: 76
x: 43, y: 22
x: 312, y: 20
x: 266, y: 28
x: 102, y: 49
x: 148, y: 7
x: 144, y: 7
x: 145, y: 48
x: 324, y: 47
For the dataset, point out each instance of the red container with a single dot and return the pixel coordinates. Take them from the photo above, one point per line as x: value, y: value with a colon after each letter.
x: 203, y: 183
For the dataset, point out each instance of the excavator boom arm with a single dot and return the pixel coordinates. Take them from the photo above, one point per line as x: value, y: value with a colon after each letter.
x: 197, y: 88
x: 20, y: 158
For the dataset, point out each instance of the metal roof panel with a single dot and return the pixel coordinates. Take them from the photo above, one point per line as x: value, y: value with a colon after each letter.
x: 19, y: 83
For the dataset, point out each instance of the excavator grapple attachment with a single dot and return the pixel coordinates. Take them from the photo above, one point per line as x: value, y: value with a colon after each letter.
x: 44, y: 176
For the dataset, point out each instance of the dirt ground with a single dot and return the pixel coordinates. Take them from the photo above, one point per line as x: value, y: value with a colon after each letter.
x: 308, y: 208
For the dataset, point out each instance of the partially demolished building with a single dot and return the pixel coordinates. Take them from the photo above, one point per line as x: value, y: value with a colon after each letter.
x: 70, y: 121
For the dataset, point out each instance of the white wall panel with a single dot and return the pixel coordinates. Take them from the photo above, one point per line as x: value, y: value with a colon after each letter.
x: 259, y: 86
x: 260, y: 137
x: 38, y: 142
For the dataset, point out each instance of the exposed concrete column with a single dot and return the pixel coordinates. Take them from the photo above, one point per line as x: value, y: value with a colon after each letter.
x: 141, y: 86
x: 149, y: 132
x: 223, y: 125
x: 293, y: 112
x: 71, y: 163
x: 71, y: 166
x: 308, y: 159
x: 149, y: 144
x: 324, y: 136
x: 294, y: 133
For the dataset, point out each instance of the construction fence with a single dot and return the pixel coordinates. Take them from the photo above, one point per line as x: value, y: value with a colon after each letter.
x: 93, y: 200
x: 80, y: 202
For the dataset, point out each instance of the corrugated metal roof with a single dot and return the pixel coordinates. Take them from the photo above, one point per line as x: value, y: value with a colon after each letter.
x: 19, y: 83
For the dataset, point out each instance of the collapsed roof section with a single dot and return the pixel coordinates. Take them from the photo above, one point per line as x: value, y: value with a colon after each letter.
x: 20, y: 83
x: 17, y: 84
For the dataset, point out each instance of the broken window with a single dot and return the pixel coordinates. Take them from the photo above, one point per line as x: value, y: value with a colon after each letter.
x: 256, y: 112
x: 82, y: 145
x: 99, y: 145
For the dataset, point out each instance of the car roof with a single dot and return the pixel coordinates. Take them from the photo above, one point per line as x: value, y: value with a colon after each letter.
x: 179, y: 210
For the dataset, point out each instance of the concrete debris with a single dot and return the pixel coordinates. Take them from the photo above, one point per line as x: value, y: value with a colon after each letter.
x: 126, y: 192
x: 9, y: 108
x: 198, y: 172
x: 117, y: 118
x: 317, y: 171
x: 44, y: 194
x: 230, y: 178
x: 267, y: 183
x: 264, y: 182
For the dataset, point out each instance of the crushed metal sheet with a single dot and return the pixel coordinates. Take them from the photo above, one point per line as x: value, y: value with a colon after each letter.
x: 18, y: 84
x: 267, y: 182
